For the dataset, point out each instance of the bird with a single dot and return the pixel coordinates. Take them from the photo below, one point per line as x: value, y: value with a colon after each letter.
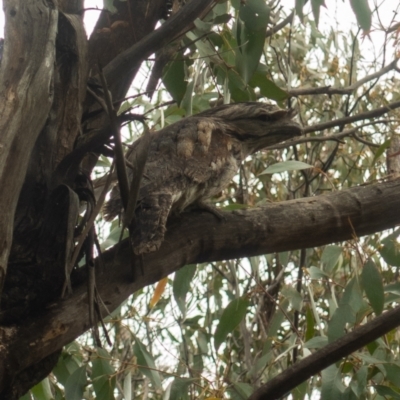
x: 194, y: 159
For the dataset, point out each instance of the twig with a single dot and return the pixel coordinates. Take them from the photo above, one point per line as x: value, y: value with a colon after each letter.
x: 346, y: 90
x: 119, y: 152
x: 358, y: 117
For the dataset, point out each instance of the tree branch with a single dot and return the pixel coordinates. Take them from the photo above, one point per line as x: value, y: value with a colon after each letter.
x: 125, y: 62
x: 198, y: 237
x: 329, y: 90
x: 354, y: 118
x: 26, y: 80
x: 331, y: 353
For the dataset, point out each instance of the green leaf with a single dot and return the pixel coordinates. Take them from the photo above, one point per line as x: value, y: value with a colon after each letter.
x: 299, y: 392
x: 42, y: 390
x: 387, y: 392
x: 390, y: 251
x: 65, y: 367
x: 315, y: 6
x: 250, y: 35
x: 145, y: 359
x: 230, y: 319
x: 295, y: 298
x: 310, y: 323
x: 75, y: 385
x: 267, y: 88
x: 317, y: 342
x: 174, y: 78
x: 373, y: 286
x: 239, y: 90
x: 330, y: 257
x: 393, y: 373
x: 181, y: 285
x: 349, y: 305
x: 363, y: 13
x: 103, y: 375
x: 180, y: 389
x: 299, y: 8
x: 381, y: 149
x: 332, y: 386
x: 284, y: 166
x: 240, y: 391
x: 317, y: 273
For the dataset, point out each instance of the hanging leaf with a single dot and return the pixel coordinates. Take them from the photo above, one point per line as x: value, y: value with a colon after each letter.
x: 103, y: 377
x: 330, y: 257
x: 181, y: 285
x: 42, y: 390
x: 174, y: 78
x: 373, y: 286
x: 299, y: 8
x: 315, y: 6
x: 230, y: 319
x: 76, y: 384
x: 158, y: 291
x: 387, y: 392
x: 180, y: 389
x: 390, y: 251
x: 250, y: 35
x: 363, y: 13
x: 145, y: 359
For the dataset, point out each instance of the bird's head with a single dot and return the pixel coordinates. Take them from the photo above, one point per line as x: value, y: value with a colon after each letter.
x: 256, y: 125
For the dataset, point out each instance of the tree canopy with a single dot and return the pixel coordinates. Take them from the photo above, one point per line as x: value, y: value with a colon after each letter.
x: 293, y: 294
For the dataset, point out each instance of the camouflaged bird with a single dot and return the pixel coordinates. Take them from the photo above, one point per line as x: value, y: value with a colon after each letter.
x: 194, y: 159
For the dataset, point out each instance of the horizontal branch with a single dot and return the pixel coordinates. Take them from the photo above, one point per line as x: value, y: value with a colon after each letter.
x: 354, y: 118
x: 337, y: 137
x: 198, y: 237
x: 329, y: 90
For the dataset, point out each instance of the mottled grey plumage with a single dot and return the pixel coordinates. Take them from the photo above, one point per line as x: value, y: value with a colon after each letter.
x: 194, y: 159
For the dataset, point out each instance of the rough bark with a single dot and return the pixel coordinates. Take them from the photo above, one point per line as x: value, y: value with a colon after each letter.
x: 26, y: 81
x: 199, y: 237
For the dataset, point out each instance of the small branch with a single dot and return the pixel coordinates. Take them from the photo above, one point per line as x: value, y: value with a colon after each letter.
x: 337, y: 137
x: 358, y: 117
x: 346, y: 90
x: 333, y: 352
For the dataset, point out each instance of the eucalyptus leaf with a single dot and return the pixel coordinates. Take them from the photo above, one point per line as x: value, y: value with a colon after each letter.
x: 230, y: 319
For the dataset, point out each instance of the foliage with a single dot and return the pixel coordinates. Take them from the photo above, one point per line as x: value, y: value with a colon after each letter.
x: 216, y: 331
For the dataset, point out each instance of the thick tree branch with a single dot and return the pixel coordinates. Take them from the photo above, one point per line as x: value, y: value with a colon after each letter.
x: 198, y: 237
